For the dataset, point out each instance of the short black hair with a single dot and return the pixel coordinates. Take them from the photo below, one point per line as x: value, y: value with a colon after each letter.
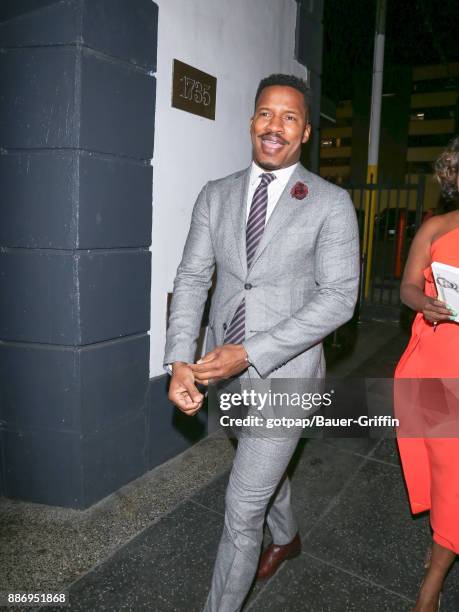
x: 287, y: 80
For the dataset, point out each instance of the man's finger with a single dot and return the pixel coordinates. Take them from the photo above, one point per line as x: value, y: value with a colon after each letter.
x: 193, y: 392
x: 184, y: 402
x: 199, y: 368
x: 208, y: 357
x: 191, y: 407
x: 181, y: 399
x: 193, y: 411
x: 206, y: 371
x: 190, y: 411
x: 207, y: 381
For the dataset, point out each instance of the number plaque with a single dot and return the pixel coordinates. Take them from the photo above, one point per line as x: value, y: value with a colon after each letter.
x: 193, y: 91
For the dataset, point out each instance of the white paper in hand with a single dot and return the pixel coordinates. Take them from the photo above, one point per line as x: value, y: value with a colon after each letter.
x: 447, y: 283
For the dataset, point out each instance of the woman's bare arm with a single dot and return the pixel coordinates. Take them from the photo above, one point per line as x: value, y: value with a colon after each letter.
x: 412, y: 287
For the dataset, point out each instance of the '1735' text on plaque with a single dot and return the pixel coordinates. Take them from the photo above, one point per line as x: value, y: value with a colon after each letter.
x: 193, y: 91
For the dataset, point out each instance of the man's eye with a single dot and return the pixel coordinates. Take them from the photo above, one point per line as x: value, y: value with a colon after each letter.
x: 291, y: 117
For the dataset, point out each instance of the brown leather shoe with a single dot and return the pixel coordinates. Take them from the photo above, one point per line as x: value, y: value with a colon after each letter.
x: 273, y: 556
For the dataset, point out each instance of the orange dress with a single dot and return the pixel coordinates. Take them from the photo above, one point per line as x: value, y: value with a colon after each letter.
x: 431, y: 462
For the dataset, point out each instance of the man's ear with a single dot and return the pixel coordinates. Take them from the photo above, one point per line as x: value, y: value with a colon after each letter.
x: 306, y: 133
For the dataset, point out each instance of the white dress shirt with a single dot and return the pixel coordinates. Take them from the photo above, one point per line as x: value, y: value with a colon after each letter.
x: 275, y: 188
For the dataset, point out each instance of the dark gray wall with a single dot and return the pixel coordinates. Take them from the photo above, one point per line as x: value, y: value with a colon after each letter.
x: 14, y: 8
x: 77, y: 104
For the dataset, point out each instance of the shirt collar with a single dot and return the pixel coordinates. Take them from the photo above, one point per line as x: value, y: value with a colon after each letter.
x: 282, y: 175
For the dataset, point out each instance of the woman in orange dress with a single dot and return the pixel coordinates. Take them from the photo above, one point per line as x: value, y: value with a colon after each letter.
x: 431, y: 464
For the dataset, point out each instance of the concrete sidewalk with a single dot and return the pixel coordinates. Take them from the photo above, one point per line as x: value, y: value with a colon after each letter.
x: 152, y: 545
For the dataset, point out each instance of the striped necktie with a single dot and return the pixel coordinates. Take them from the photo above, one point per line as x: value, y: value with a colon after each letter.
x: 235, y: 333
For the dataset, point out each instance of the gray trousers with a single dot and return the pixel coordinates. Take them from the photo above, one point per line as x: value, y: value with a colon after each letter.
x: 258, y: 474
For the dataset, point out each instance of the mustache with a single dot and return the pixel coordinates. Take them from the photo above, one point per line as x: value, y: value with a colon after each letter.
x: 275, y: 136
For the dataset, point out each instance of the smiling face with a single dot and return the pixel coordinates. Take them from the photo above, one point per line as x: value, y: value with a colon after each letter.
x: 279, y: 127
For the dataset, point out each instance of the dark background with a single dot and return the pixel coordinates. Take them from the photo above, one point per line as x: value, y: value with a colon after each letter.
x: 417, y: 32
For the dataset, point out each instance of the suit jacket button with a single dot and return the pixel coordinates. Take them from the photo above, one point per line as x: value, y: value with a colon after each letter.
x: 225, y: 326
x: 248, y: 286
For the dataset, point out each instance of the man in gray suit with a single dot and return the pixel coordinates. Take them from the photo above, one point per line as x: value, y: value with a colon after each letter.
x: 285, y: 246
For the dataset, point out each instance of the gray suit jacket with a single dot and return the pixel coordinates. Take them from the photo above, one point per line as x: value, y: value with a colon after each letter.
x: 301, y: 286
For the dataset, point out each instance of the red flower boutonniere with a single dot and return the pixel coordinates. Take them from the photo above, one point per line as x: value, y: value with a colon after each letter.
x: 299, y: 191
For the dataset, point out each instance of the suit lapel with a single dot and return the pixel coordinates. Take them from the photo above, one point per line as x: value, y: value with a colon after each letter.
x: 238, y: 207
x: 285, y: 209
